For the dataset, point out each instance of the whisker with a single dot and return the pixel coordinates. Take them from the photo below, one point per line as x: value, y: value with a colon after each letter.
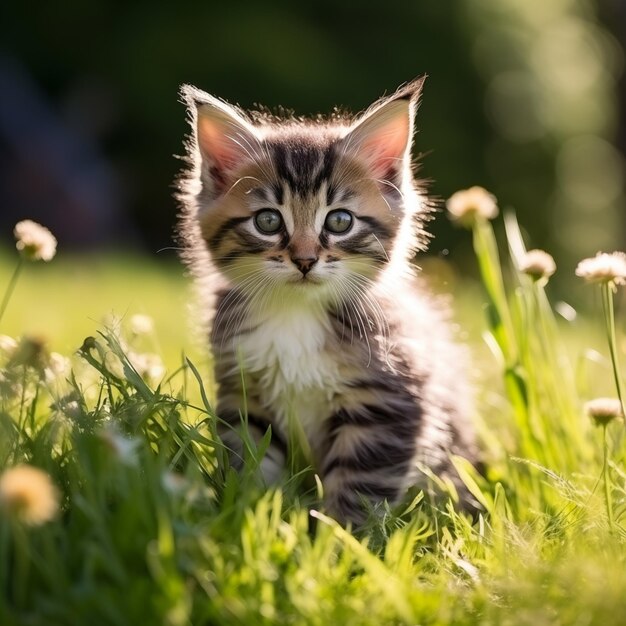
x: 239, y: 180
x: 177, y: 249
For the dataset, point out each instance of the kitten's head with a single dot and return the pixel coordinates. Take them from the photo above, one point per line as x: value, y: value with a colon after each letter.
x: 321, y: 207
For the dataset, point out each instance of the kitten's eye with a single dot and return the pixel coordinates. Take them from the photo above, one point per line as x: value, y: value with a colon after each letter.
x: 338, y: 221
x: 268, y: 221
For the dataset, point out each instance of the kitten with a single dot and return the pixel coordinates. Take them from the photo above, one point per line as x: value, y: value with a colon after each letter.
x: 300, y: 233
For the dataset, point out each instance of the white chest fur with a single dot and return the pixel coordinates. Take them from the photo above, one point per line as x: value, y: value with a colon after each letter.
x: 293, y: 359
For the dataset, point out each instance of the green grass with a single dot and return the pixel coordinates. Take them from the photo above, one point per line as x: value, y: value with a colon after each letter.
x: 153, y: 528
x: 69, y: 298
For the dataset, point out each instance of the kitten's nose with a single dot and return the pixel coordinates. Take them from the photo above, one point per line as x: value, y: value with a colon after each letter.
x: 304, y: 265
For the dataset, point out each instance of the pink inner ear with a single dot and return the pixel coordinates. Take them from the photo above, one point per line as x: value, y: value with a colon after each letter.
x: 386, y: 146
x: 222, y: 149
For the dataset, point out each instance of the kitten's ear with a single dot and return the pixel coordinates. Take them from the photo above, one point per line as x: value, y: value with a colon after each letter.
x: 382, y: 136
x: 225, y: 139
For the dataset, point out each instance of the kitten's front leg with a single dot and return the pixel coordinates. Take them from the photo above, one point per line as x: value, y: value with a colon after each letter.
x: 370, y: 459
x: 230, y: 427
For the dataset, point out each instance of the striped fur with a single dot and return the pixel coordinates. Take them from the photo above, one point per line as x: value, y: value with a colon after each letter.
x: 329, y: 328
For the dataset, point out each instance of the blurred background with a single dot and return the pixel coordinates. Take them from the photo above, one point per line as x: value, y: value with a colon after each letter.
x: 524, y: 97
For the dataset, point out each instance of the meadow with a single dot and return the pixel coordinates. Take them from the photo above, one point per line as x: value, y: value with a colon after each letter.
x: 117, y: 505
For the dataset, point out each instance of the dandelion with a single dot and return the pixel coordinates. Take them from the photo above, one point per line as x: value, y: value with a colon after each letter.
x: 604, y: 268
x: 34, y: 241
x: 603, y: 410
x: 27, y: 493
x: 31, y: 351
x: 537, y: 264
x: 467, y: 205
x: 608, y: 271
x: 141, y: 325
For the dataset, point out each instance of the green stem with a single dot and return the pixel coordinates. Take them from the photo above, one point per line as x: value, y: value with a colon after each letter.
x: 5, y: 535
x: 10, y: 287
x: 22, y: 565
x: 486, y: 251
x: 609, y: 317
x: 502, y: 330
x: 605, y: 478
x: 22, y: 416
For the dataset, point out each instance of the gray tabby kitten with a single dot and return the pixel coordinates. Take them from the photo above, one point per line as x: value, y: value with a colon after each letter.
x: 300, y: 233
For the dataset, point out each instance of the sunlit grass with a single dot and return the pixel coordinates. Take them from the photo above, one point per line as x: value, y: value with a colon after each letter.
x: 73, y: 296
x: 150, y: 525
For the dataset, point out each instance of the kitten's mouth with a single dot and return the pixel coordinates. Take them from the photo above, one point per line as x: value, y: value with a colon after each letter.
x: 305, y: 280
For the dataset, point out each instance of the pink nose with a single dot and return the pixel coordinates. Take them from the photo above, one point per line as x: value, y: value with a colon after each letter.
x: 305, y: 265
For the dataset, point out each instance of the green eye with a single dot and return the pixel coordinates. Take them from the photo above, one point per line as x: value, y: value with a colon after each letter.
x: 268, y: 221
x: 338, y: 221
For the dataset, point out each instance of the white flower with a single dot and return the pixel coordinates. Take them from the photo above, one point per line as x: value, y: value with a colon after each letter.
x: 141, y: 324
x: 34, y: 241
x: 124, y: 448
x: 604, y: 268
x: 603, y: 410
x: 537, y: 264
x: 27, y: 493
x: 58, y: 367
x: 148, y: 366
x: 31, y: 351
x: 466, y: 205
